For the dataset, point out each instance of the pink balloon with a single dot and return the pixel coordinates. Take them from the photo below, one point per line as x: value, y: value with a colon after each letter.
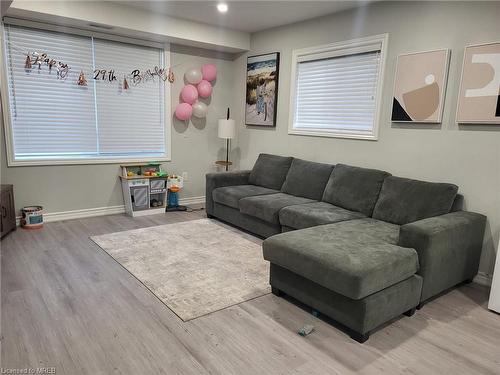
x: 204, y: 89
x: 183, y: 111
x: 209, y: 72
x: 189, y: 94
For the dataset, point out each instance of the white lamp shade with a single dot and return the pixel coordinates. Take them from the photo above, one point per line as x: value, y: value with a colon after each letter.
x: 226, y: 129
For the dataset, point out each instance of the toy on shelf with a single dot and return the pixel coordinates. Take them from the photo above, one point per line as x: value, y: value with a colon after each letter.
x: 144, y: 188
x: 174, y: 185
x: 143, y: 170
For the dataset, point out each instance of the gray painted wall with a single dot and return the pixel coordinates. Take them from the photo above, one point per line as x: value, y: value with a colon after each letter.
x: 195, y: 147
x: 468, y: 156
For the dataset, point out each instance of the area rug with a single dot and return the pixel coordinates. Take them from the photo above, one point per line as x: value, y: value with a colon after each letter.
x: 194, y: 267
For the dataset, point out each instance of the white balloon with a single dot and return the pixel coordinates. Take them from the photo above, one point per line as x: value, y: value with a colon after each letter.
x: 200, y: 109
x: 193, y: 76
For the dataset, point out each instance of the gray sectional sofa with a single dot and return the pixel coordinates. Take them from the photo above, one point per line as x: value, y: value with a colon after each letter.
x: 358, y: 245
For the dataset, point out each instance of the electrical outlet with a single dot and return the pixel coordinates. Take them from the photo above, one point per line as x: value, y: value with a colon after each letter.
x: 185, y: 176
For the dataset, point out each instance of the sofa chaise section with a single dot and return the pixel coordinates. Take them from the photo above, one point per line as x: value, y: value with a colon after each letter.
x: 343, y: 268
x: 354, y: 258
x: 413, y: 243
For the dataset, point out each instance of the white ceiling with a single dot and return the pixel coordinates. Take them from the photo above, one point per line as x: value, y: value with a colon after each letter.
x: 248, y: 16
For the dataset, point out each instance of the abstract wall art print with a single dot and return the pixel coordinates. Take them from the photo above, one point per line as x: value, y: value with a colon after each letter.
x: 262, y: 89
x: 479, y: 94
x: 420, y: 86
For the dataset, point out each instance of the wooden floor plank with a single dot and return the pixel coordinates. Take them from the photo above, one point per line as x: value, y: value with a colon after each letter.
x: 66, y: 303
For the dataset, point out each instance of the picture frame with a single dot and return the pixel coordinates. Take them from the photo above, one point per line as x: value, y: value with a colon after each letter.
x: 479, y: 92
x: 420, y: 86
x: 261, y: 95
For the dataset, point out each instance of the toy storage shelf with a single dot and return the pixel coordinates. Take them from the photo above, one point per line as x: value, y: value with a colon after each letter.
x: 144, y: 187
x: 138, y: 177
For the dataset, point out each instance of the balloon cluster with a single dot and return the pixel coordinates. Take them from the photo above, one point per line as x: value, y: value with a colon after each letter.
x: 199, y: 86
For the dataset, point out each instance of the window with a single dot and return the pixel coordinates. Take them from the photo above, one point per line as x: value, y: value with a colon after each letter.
x: 336, y: 89
x: 53, y: 120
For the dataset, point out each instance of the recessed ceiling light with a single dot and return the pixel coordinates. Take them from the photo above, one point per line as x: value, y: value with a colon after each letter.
x: 222, y: 7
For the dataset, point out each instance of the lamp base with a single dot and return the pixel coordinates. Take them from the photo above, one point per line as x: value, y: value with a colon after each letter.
x: 224, y: 163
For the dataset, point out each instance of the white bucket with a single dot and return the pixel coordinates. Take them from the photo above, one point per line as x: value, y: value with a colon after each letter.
x: 32, y: 217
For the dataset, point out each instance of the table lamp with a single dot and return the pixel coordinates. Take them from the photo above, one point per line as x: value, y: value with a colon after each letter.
x: 227, y: 132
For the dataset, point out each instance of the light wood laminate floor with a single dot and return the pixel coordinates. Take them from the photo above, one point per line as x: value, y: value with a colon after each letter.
x: 66, y: 303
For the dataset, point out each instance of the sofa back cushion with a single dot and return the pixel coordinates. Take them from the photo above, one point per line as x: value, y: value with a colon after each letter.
x: 270, y: 171
x: 307, y: 179
x: 403, y: 201
x: 458, y: 203
x: 354, y: 188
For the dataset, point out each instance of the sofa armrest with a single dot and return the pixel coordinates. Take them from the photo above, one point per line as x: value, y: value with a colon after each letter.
x: 215, y: 180
x: 448, y: 246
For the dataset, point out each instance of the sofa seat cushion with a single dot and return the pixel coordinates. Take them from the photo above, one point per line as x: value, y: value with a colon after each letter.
x: 270, y: 171
x: 307, y: 179
x: 350, y: 258
x: 267, y: 207
x: 312, y: 214
x: 404, y: 201
x: 231, y: 195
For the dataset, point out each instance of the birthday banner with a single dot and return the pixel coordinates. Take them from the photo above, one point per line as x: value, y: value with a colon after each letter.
x: 137, y: 76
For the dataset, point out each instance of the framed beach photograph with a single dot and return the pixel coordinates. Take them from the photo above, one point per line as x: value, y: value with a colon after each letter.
x: 262, y: 89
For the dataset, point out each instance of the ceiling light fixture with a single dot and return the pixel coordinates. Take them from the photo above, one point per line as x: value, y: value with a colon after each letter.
x: 222, y: 7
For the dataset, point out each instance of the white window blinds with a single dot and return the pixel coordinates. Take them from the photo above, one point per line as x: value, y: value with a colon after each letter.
x: 56, y: 119
x: 50, y: 117
x: 130, y: 122
x: 336, y: 91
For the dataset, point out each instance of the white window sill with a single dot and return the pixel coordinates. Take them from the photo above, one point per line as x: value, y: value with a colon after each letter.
x: 334, y: 134
x: 48, y: 162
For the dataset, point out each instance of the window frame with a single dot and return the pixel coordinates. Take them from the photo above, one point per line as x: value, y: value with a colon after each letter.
x: 346, y: 48
x: 4, y: 94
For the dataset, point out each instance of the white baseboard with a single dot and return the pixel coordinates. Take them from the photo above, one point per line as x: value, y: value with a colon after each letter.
x: 80, y: 214
x: 483, y: 279
x: 101, y: 211
x: 192, y: 200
